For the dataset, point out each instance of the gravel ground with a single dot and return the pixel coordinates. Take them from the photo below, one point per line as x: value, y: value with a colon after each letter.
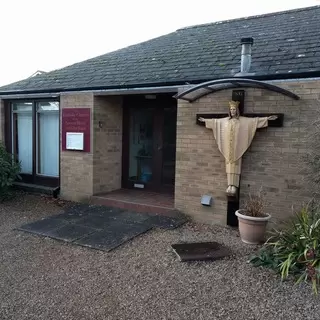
x: 41, y: 278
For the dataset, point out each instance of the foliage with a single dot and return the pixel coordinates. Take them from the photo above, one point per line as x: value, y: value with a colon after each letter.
x: 255, y: 204
x: 9, y: 171
x: 295, y: 250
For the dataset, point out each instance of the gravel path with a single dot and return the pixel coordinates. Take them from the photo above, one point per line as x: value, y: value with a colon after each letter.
x: 41, y: 278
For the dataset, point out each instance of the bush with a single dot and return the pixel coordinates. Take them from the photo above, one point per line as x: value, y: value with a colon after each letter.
x: 9, y: 171
x: 295, y: 250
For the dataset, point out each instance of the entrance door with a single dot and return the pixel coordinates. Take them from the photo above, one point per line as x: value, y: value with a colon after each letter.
x: 150, y: 147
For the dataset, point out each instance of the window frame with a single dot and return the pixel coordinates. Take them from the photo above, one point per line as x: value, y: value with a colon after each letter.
x: 10, y: 131
x: 37, y: 146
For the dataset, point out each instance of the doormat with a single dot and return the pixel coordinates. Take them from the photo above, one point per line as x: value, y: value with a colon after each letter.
x: 200, y: 251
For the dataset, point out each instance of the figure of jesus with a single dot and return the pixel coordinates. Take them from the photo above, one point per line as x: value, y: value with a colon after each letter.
x: 234, y: 135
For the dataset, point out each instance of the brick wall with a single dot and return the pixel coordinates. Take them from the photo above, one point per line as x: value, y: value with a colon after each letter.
x: 107, y: 146
x: 274, y: 159
x: 76, y: 168
x: 1, y: 120
x: 84, y: 174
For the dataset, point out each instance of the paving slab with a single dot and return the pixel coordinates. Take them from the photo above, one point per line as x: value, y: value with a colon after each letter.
x: 113, y: 236
x: 70, y: 232
x: 99, y: 227
x: 164, y: 222
x: 134, y: 217
x: 200, y: 251
x: 42, y: 226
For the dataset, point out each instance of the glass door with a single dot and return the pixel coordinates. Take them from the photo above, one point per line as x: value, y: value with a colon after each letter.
x: 150, y: 148
x: 141, y: 145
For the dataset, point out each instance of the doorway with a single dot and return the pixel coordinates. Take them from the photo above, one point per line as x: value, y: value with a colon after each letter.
x: 149, y: 149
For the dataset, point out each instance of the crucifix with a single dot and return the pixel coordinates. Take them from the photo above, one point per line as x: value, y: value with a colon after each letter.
x: 234, y: 133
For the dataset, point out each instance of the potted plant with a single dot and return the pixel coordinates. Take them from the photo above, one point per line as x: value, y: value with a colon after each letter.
x: 253, y: 219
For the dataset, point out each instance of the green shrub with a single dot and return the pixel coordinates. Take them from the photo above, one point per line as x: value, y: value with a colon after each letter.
x: 294, y: 251
x: 9, y: 171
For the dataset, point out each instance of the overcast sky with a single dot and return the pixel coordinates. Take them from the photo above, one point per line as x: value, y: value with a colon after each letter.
x: 51, y: 34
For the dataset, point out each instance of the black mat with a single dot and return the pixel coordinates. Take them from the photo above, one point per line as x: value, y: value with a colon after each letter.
x: 99, y: 227
x: 200, y: 251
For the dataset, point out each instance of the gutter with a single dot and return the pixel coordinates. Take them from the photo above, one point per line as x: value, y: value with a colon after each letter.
x: 100, y: 92
x: 134, y: 89
x: 167, y: 87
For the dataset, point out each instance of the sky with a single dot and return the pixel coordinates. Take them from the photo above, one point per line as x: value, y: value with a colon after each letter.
x: 51, y: 34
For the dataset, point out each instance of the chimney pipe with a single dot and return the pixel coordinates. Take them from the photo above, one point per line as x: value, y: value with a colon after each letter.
x: 246, y: 54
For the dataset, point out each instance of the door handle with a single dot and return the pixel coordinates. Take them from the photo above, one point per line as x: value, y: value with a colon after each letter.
x: 159, y: 148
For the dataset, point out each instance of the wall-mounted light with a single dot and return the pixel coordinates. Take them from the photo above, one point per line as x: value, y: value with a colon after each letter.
x: 206, y: 200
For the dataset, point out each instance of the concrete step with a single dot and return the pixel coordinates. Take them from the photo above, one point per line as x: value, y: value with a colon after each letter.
x: 133, y: 206
x: 34, y: 188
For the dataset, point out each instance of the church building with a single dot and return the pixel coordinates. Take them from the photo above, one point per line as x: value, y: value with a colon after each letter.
x: 123, y: 129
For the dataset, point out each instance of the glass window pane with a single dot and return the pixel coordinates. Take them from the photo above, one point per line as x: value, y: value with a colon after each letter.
x: 48, y: 144
x: 24, y: 141
x: 22, y: 107
x: 47, y: 106
x: 141, y: 144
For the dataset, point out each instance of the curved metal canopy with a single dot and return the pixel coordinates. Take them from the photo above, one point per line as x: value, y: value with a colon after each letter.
x: 208, y: 87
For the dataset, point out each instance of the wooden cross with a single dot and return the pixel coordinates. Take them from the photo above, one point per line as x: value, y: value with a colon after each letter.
x: 238, y: 95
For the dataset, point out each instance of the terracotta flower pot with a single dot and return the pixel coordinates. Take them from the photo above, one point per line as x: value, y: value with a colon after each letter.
x: 252, y: 229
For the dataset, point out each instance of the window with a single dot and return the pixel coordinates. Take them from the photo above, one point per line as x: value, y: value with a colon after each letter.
x: 35, y: 140
x: 48, y: 138
x: 22, y: 135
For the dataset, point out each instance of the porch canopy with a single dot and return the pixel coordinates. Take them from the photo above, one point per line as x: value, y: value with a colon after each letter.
x: 208, y: 87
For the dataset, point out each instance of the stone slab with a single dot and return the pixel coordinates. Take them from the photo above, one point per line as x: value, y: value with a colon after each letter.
x: 165, y: 222
x: 133, y: 217
x: 113, y: 236
x: 70, y: 232
x: 99, y: 227
x: 200, y: 251
x: 42, y: 226
x: 97, y: 222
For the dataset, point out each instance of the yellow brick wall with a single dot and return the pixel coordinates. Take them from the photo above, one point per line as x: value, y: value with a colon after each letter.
x: 76, y: 168
x: 107, y: 145
x: 274, y: 159
x: 84, y: 174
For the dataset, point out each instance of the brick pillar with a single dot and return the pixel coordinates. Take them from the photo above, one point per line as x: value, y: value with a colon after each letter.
x: 107, y: 145
x: 76, y: 168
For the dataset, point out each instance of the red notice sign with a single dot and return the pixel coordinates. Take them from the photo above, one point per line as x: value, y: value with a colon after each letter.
x: 76, y: 129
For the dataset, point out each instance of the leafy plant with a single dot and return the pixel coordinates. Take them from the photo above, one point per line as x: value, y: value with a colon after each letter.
x: 9, y: 171
x: 295, y: 250
x: 255, y: 204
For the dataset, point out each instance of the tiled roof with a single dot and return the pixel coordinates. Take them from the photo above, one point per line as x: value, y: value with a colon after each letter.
x: 286, y: 42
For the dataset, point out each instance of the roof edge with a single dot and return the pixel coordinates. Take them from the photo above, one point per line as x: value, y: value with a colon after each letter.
x: 285, y: 76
